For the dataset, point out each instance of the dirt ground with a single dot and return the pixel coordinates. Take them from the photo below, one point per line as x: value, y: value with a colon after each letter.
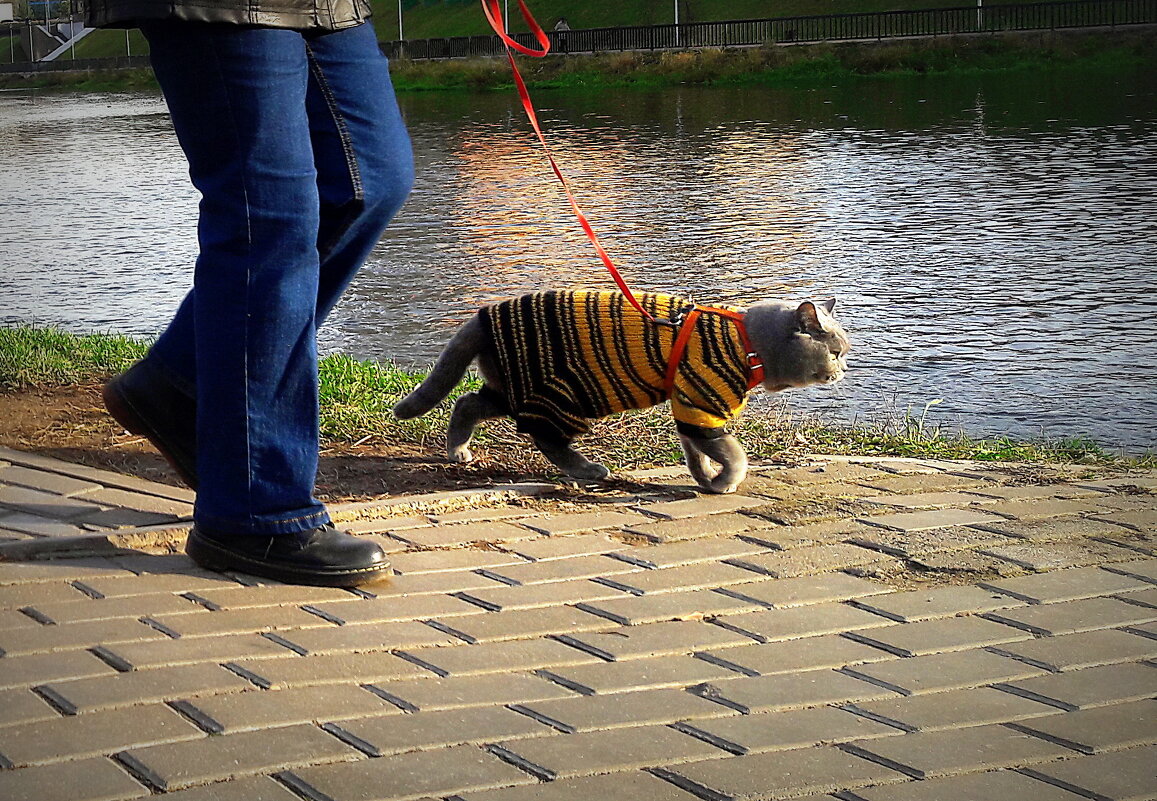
x: 70, y: 423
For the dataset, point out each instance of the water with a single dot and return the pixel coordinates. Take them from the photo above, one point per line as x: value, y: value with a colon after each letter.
x: 992, y: 242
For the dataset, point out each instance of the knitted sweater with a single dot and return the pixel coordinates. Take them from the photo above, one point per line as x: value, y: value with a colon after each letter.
x: 568, y: 357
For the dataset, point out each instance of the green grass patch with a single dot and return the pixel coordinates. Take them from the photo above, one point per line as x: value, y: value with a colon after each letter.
x: 357, y: 397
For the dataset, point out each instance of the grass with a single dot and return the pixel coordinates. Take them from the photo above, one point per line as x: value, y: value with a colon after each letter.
x: 357, y: 396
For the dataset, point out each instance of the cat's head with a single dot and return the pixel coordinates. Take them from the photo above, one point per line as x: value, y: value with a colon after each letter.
x: 800, y: 344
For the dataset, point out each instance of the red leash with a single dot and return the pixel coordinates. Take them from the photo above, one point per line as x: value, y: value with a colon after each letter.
x: 494, y: 17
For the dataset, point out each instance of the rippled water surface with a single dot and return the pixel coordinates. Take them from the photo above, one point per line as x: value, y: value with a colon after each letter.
x: 991, y: 242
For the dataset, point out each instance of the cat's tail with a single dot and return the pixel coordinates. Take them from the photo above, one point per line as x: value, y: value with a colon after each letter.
x: 447, y: 371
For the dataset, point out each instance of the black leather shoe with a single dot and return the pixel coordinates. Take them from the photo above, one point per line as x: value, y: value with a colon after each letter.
x: 145, y: 402
x: 323, y: 556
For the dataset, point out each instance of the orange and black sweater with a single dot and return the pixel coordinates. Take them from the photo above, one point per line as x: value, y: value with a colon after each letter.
x: 572, y: 356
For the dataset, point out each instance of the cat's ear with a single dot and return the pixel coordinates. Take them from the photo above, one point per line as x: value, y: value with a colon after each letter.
x: 808, y: 318
x: 829, y: 305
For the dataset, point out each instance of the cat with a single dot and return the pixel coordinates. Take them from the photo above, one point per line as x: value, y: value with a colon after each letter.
x: 554, y: 360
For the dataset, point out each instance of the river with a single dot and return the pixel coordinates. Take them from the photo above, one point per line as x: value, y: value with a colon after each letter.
x: 991, y: 240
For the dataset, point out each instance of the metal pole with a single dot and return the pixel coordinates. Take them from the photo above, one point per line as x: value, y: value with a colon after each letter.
x: 128, y: 47
x: 401, y: 36
x: 506, y: 15
x: 676, y: 23
x: 979, y: 16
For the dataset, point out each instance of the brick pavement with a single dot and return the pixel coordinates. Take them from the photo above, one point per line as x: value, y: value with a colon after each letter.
x: 852, y: 629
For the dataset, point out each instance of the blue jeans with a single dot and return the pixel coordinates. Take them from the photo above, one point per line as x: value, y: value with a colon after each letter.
x: 300, y: 154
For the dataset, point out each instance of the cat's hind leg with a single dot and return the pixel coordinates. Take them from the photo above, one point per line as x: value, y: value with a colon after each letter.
x: 562, y: 455
x: 725, y: 450
x: 470, y: 410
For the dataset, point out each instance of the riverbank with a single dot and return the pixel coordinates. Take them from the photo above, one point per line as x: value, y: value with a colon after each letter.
x: 797, y: 65
x: 50, y: 400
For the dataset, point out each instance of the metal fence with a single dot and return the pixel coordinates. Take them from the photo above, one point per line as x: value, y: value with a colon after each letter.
x: 783, y: 30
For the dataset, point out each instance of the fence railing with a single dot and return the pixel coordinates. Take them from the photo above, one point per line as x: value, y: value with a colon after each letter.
x: 781, y: 30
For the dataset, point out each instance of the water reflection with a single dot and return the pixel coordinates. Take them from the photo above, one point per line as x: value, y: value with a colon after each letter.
x: 991, y: 241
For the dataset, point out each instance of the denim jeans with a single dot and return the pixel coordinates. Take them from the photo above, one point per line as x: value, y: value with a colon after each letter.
x: 300, y: 154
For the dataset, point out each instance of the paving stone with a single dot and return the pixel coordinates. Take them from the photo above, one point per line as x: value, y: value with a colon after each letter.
x: 1062, y: 554
x: 1118, y: 776
x: 87, y: 609
x: 166, y: 652
x: 291, y: 670
x: 938, y: 518
x: 1073, y: 616
x: 396, y: 610
x: 1143, y: 520
x: 791, y: 691
x: 72, y: 636
x: 676, y: 670
x: 175, y: 766
x: 674, y: 554
x: 997, y: 784
x: 26, y: 671
x: 808, y: 560
x: 771, y: 625
x: 252, y: 788
x: 1054, y: 529
x: 45, y: 481
x: 1104, y: 728
x: 926, y: 754
x: 14, y: 619
x: 963, y: 563
x: 37, y: 525
x: 915, y: 543
x: 694, y: 528
x: 45, y: 504
x: 234, y: 596
x: 681, y: 579
x: 935, y: 673
x: 699, y: 506
x: 547, y: 548
x: 655, y: 639
x: 1144, y: 569
x: 1084, y: 650
x: 954, y: 709
x: 21, y: 705
x: 455, y: 692
x: 15, y: 596
x: 266, y: 709
x: 579, y: 522
x: 139, y: 501
x: 936, y: 482
x: 125, y: 518
x: 125, y: 584
x: 463, y: 533
x: 578, y: 567
x: 929, y: 500
x: 449, y: 771
x: 447, y: 560
x: 562, y: 756
x: 89, y: 779
x: 804, y: 590
x: 787, y: 730
x: 99, y: 733
x: 828, y: 472
x: 381, y: 637
x: 522, y: 624
x: 693, y: 605
x: 937, y: 602
x: 422, y: 731
x: 1144, y: 597
x: 825, y: 651
x: 498, y: 657
x: 645, y: 707
x: 787, y: 537
x: 143, y: 687
x: 540, y: 595
x: 781, y: 774
x: 240, y: 621
x: 933, y: 636
x: 622, y: 786
x: 380, y: 525
x: 1066, y: 585
x: 484, y: 514
x: 1040, y: 491
x: 62, y: 570
x: 1096, y: 686
x: 1042, y: 509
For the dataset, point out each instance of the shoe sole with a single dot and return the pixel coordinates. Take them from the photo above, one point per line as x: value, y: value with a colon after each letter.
x: 121, y: 409
x: 212, y: 557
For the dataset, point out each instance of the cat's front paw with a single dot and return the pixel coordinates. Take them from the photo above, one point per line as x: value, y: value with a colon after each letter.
x: 460, y: 455
x: 590, y: 471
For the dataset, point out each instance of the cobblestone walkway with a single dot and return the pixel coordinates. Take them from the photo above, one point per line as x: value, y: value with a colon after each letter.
x: 868, y: 630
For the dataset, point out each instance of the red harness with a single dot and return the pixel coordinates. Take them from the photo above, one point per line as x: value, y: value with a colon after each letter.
x: 754, y: 363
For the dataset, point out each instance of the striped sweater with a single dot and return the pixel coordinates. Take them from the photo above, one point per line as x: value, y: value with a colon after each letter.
x: 569, y: 357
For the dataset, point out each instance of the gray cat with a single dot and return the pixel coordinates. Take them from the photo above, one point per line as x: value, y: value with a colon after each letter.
x: 556, y: 360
